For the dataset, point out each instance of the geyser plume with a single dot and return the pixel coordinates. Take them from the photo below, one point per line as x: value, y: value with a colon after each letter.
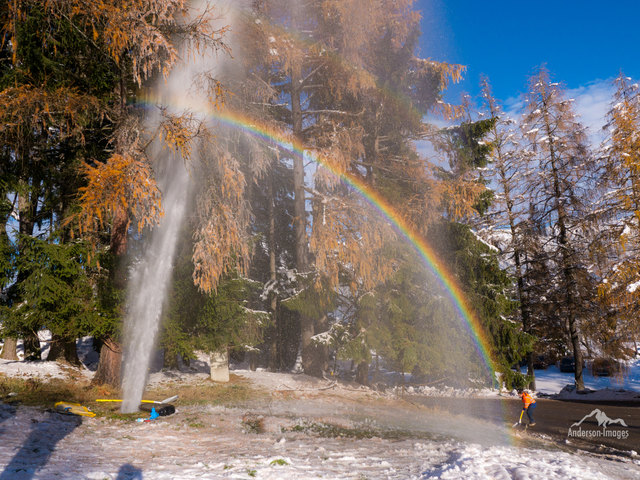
x: 150, y: 279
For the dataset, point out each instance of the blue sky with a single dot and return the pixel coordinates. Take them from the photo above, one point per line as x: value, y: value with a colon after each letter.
x: 584, y: 43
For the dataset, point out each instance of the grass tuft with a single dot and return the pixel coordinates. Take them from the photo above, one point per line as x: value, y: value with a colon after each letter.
x: 37, y: 392
x: 45, y: 393
x: 329, y: 430
x: 253, y: 423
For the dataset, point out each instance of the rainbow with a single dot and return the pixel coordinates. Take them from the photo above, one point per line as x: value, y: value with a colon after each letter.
x: 425, y: 251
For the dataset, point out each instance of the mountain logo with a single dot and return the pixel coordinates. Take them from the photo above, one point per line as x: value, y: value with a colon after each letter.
x: 602, y: 419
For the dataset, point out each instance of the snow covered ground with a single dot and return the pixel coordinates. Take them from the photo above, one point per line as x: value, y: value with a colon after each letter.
x: 308, y: 428
x: 214, y: 442
x: 552, y: 381
x: 44, y: 370
x: 305, y: 428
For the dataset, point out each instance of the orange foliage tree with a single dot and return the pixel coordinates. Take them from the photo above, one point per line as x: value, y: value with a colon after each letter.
x: 122, y: 184
x: 111, y: 48
x: 349, y: 88
x: 617, y: 245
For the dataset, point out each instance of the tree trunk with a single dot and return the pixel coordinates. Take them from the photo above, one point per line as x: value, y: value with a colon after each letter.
x: 515, y: 236
x: 275, y: 343
x: 253, y: 360
x: 56, y: 349
x: 577, y: 352
x: 26, y: 215
x: 170, y: 359
x: 376, y: 370
x: 362, y: 373
x: 309, y: 365
x: 524, y: 312
x: 63, y: 350
x: 567, y: 261
x: 31, y: 344
x: 108, y: 372
x: 315, y: 358
x: 9, y: 349
x: 118, y: 242
x: 307, y: 329
x: 289, y: 338
x: 110, y: 362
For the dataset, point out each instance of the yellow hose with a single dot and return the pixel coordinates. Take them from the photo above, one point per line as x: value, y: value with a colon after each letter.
x: 118, y: 400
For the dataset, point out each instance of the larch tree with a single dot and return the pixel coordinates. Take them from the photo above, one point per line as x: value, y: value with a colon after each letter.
x: 617, y: 246
x: 43, y: 128
x: 313, y: 80
x: 562, y: 163
x: 505, y: 222
x: 350, y: 88
x: 96, y: 133
x: 298, y: 69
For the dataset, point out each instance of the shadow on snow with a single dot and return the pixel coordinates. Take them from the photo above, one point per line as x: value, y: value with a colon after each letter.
x: 38, y: 447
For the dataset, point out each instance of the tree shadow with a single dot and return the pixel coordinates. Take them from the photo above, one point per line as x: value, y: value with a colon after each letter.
x: 440, y: 469
x: 129, y: 472
x: 41, y: 443
x: 6, y: 412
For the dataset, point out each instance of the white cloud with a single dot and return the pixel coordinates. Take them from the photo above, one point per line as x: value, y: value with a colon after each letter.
x: 425, y: 147
x: 513, y: 106
x: 592, y: 102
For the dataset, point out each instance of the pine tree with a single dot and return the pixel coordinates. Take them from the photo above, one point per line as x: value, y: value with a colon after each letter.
x: 218, y: 321
x: 56, y: 294
x: 271, y: 205
x: 465, y: 193
x: 488, y: 288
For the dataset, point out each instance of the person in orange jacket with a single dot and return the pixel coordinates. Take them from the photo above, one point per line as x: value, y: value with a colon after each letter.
x: 529, y: 404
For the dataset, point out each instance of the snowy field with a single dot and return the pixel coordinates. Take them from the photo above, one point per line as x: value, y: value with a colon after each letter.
x: 215, y: 442
x: 302, y: 430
